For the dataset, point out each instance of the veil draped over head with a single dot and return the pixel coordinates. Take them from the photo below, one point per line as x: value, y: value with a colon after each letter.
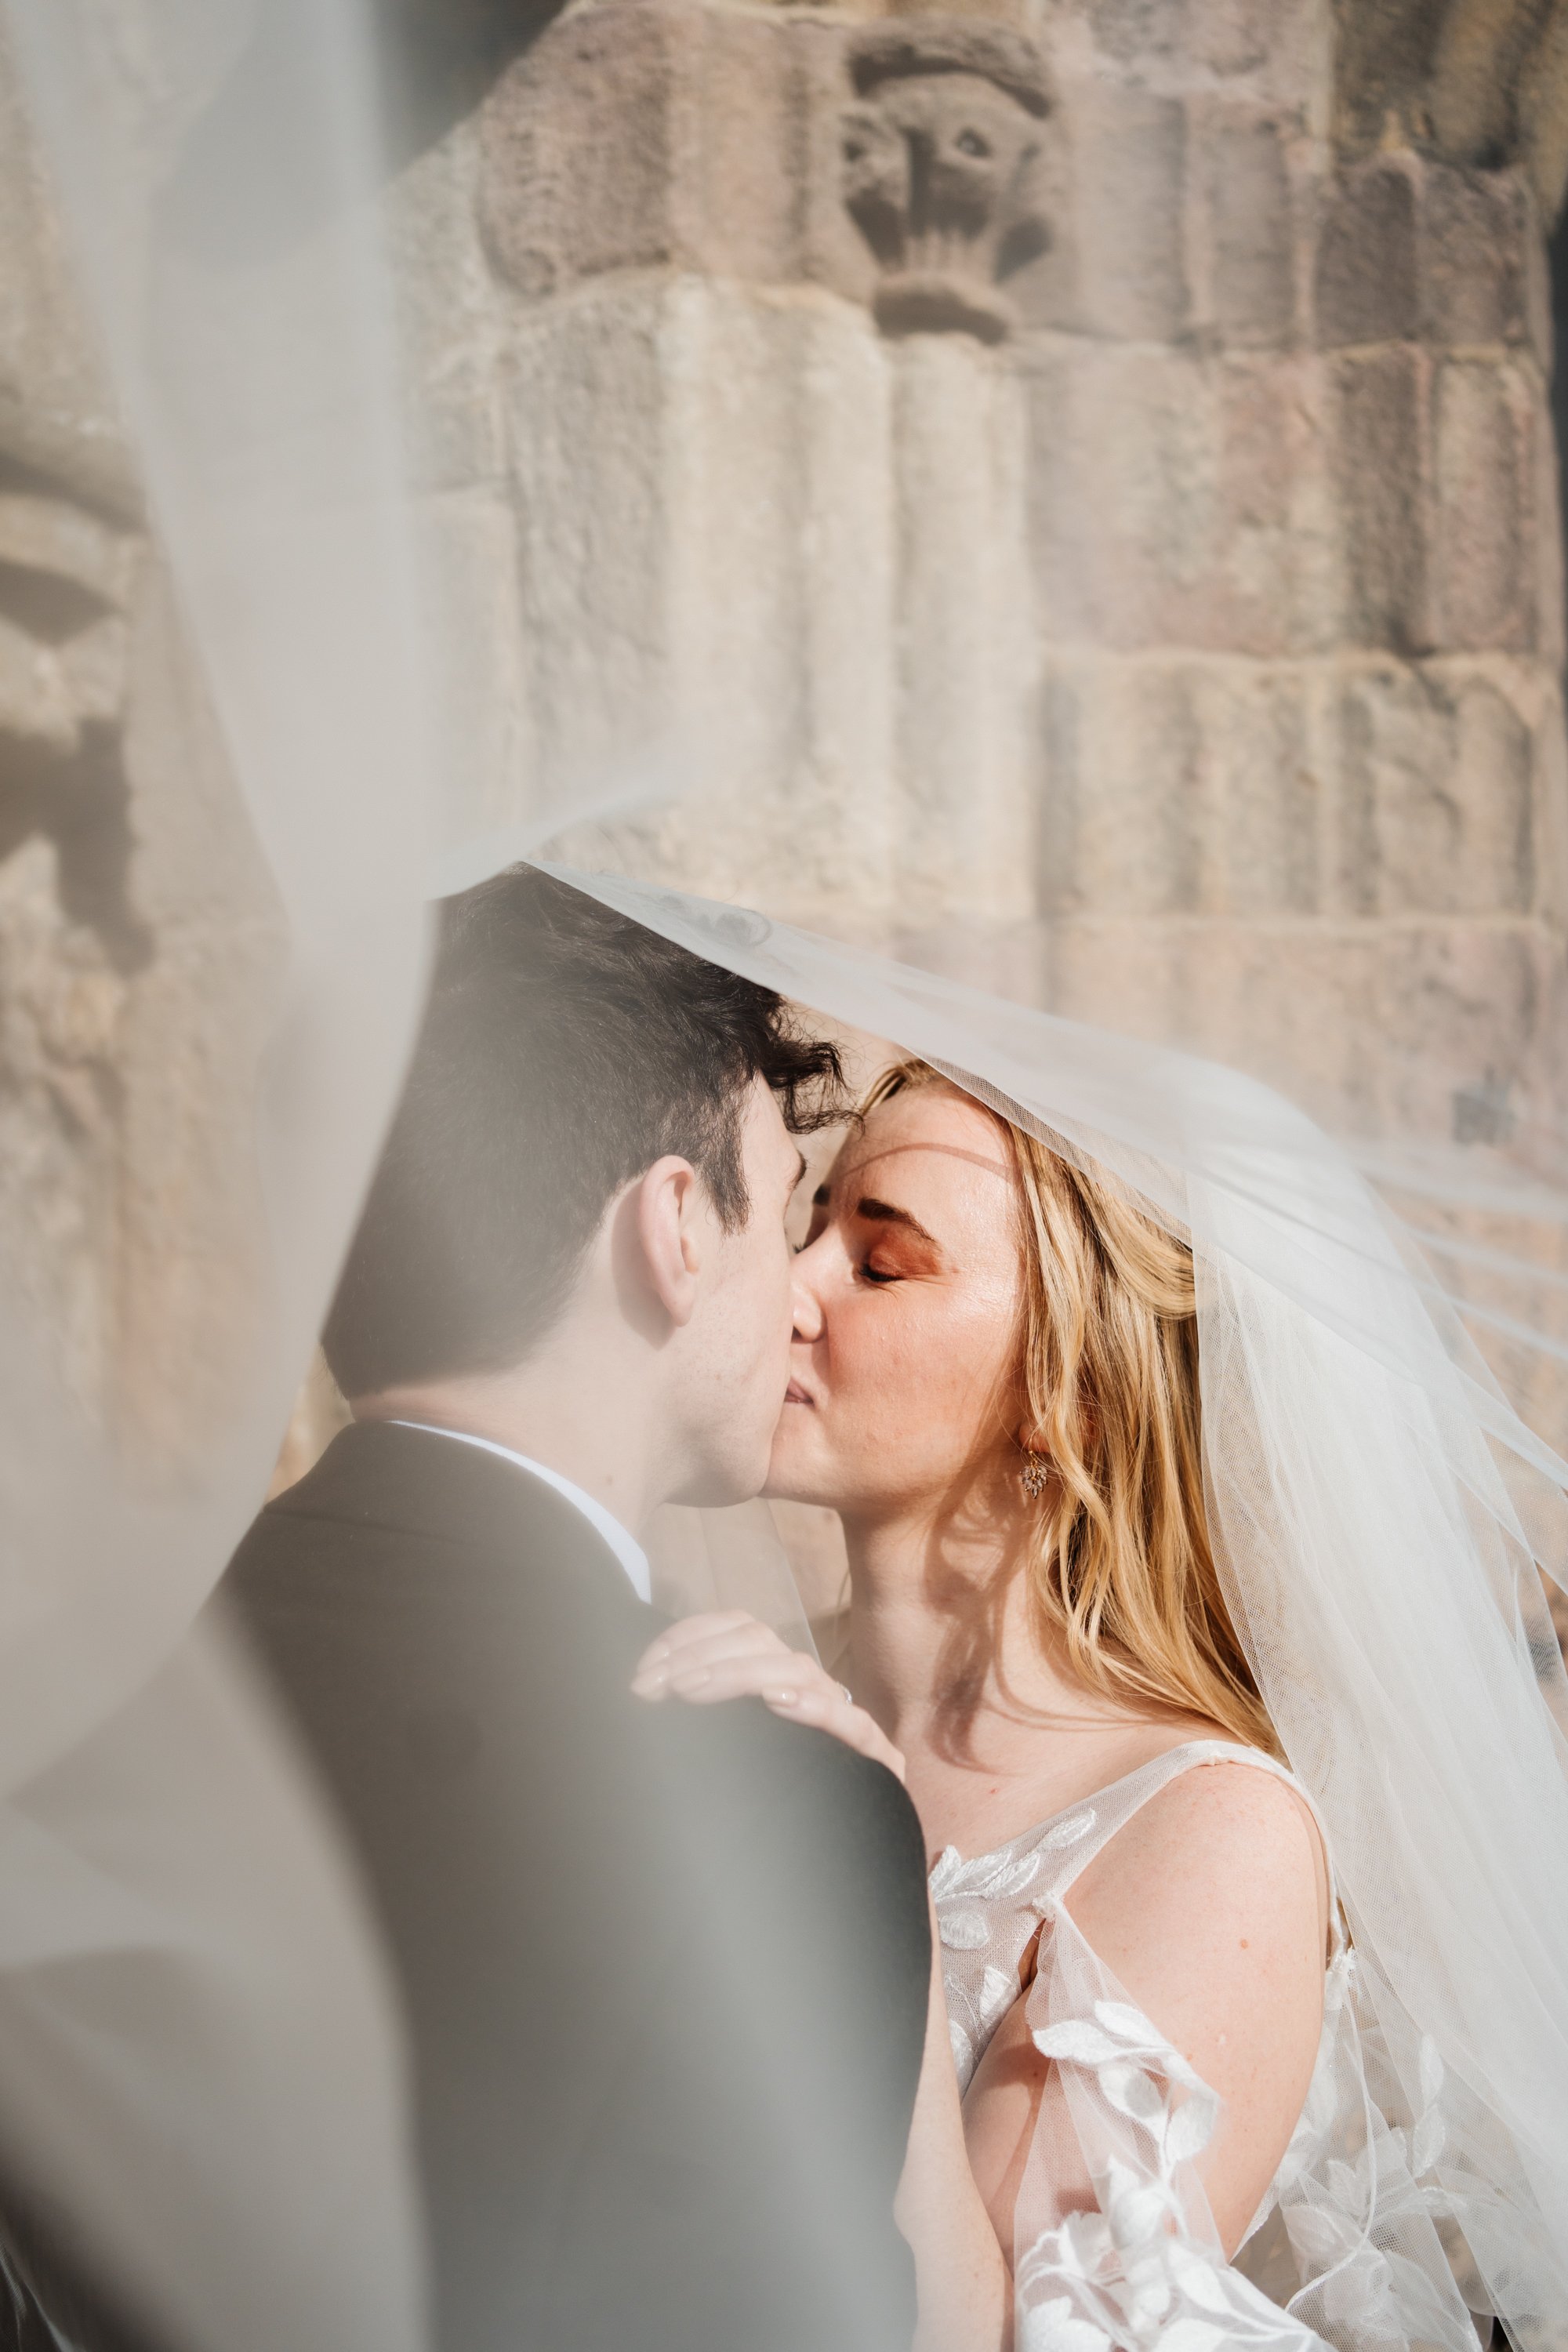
x: 1379, y: 1507
x: 1378, y: 1511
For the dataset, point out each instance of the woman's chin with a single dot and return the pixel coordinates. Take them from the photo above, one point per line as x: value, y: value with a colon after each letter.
x: 779, y: 1486
x: 792, y: 1476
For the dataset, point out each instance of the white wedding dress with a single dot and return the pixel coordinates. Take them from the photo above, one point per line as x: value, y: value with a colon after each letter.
x: 1346, y: 2246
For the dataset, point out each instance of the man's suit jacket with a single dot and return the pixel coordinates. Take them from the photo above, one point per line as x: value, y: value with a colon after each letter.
x: 53, y: 2292
x: 664, y: 1967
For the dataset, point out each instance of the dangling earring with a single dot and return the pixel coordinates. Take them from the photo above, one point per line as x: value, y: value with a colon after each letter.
x: 1036, y: 1473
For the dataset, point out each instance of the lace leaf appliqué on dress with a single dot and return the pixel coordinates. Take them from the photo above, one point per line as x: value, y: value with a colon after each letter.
x: 1360, y: 2244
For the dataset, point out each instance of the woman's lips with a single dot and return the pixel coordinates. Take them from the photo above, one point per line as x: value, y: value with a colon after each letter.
x: 795, y: 1394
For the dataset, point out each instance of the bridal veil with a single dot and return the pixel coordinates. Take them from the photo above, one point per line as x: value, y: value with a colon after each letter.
x: 1378, y: 1510
x: 182, y: 1946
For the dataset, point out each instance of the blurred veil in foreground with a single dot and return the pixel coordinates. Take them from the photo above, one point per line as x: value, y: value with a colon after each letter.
x: 200, y: 2066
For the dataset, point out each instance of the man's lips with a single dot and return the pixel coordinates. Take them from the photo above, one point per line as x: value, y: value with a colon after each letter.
x: 795, y: 1394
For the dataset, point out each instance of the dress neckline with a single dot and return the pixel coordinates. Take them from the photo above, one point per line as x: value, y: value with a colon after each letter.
x: 1114, y: 1788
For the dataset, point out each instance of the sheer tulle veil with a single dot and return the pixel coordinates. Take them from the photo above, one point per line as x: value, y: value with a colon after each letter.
x: 1380, y: 1508
x: 1375, y: 1500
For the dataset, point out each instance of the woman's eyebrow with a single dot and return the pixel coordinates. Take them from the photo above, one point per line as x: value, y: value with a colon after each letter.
x: 878, y: 1212
x: 882, y: 1213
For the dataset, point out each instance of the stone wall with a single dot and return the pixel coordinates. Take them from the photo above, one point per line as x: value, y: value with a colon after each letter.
x: 1067, y: 488
x: 1120, y: 560
x: 134, y: 919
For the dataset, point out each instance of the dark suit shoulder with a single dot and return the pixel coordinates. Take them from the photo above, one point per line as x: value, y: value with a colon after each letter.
x: 805, y: 1824
x: 391, y: 1478
x: 402, y: 1520
x: 754, y: 1739
x: 699, y: 1936
x: 743, y: 1745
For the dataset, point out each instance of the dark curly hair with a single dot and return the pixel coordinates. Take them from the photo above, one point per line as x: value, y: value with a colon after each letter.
x: 564, y: 1049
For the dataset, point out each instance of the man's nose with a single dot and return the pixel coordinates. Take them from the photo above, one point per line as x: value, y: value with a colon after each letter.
x: 806, y: 1306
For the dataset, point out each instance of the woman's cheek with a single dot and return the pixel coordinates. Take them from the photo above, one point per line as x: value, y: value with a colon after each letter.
x: 974, y: 1363
x: 899, y: 1374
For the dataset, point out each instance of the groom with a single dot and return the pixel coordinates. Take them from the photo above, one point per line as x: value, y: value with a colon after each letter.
x: 665, y: 1968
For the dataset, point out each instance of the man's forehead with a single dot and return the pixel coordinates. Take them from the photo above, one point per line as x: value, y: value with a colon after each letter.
x: 762, y: 1112
x: 768, y: 1142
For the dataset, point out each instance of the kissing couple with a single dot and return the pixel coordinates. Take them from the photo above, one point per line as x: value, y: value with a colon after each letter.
x: 996, y: 1985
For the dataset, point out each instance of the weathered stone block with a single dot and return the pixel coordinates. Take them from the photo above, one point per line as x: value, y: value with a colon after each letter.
x: 1136, y: 35
x: 1272, y: 46
x: 589, y: 393
x: 1411, y: 248
x: 50, y: 695
x: 1448, y: 1007
x: 193, y: 864
x: 35, y: 707
x: 1380, y: 473
x: 745, y: 118
x: 1120, y: 798
x: 1549, y: 830
x: 1130, y: 428
x: 1484, y: 478
x: 1543, y: 490
x: 57, y: 415
x: 207, y: 979
x: 966, y: 643
x: 1270, y: 749
x: 1476, y: 232
x: 72, y: 563
x: 646, y: 136
x: 1281, y: 551
x: 1438, y: 794
x: 467, y: 543
x: 1175, y: 788
x: 449, y: 316
x: 707, y: 551
x: 60, y: 1005
x: 1368, y: 1025
x: 577, y: 151
x: 1178, y: 501
x: 1267, y: 50
x: 1115, y: 194
x: 1366, y: 284
x: 1251, y: 227
x: 94, y: 669
x: 66, y: 577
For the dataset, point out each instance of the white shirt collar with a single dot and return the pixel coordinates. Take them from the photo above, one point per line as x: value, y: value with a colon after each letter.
x: 626, y: 1546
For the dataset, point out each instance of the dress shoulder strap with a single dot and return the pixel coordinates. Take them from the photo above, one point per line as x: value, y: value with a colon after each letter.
x: 1071, y: 1841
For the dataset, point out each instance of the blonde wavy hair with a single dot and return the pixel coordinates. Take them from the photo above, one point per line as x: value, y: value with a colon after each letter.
x: 1120, y: 1561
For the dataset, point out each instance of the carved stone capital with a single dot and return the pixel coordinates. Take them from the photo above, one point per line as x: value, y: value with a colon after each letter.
x: 942, y: 157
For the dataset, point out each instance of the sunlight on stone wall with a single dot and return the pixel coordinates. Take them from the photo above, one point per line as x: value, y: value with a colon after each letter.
x: 1067, y: 488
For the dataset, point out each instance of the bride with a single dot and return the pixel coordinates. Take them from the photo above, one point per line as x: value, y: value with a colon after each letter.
x: 1184, y: 2124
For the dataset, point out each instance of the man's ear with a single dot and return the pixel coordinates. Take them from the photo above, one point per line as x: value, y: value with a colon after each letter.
x: 667, y: 1220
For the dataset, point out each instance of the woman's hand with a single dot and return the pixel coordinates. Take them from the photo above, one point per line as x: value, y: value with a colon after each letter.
x: 731, y: 1655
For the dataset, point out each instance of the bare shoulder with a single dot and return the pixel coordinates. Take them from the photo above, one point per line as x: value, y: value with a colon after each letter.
x: 1222, y: 1842
x: 1210, y: 1910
